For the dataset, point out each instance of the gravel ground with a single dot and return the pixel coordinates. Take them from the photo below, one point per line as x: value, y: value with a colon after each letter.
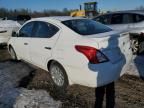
x: 20, y: 82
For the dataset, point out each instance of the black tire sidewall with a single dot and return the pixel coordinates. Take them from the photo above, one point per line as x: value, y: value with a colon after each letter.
x: 11, y: 49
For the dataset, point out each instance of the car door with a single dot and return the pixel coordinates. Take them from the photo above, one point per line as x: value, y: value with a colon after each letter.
x: 43, y: 42
x: 121, y: 21
x: 23, y: 40
x: 128, y: 19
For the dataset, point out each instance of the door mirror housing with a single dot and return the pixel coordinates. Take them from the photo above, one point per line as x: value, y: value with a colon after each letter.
x: 14, y: 34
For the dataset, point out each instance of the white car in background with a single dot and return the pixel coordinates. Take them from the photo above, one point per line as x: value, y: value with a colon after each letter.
x: 9, y: 25
x: 74, y: 50
x: 6, y: 29
x: 131, y: 21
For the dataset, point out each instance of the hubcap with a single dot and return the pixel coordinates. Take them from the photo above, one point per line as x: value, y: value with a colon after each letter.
x: 57, y: 76
x: 135, y: 45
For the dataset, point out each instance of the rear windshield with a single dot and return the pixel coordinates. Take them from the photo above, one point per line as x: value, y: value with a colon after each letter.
x: 86, y: 26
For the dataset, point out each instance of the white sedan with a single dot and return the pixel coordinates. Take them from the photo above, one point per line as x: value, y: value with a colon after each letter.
x: 73, y: 50
x: 6, y: 29
x: 9, y: 25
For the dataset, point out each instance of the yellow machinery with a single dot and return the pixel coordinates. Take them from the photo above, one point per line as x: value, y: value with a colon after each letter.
x: 90, y: 10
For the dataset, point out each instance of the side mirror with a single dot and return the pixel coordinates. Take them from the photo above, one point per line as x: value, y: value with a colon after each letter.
x: 14, y: 34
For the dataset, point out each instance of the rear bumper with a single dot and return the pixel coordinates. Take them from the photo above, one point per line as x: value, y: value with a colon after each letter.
x: 5, y: 36
x: 95, y: 75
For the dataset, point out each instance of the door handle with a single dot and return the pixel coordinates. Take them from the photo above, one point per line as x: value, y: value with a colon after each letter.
x: 25, y: 43
x: 49, y: 48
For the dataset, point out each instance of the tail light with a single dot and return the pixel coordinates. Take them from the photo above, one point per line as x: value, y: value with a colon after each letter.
x: 93, y: 55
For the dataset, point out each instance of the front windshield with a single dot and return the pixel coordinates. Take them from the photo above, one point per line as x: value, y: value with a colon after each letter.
x: 86, y: 26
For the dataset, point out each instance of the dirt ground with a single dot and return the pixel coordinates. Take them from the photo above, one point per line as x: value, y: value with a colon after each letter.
x: 128, y: 90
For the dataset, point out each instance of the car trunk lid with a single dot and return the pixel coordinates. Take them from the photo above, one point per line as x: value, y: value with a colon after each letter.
x: 114, y: 45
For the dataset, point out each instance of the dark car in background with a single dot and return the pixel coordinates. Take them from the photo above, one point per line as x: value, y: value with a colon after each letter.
x: 19, y: 18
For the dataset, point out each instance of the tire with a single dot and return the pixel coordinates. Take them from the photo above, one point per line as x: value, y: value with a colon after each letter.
x: 3, y: 46
x: 13, y: 54
x: 59, y: 77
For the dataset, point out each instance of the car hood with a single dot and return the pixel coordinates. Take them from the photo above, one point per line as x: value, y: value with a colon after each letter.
x: 9, y: 24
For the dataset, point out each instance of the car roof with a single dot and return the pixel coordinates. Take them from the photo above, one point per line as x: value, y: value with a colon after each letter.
x: 56, y: 18
x: 131, y: 11
x: 126, y: 11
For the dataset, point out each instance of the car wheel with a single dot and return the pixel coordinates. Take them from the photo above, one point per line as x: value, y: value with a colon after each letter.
x: 58, y: 76
x: 135, y: 46
x: 13, y: 54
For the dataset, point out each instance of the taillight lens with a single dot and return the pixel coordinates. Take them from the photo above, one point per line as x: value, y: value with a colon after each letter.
x: 93, y: 55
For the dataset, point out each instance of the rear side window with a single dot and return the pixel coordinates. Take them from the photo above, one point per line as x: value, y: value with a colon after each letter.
x: 127, y: 18
x: 138, y: 18
x: 117, y: 19
x: 45, y: 30
x: 86, y: 26
x: 26, y: 30
x: 105, y: 19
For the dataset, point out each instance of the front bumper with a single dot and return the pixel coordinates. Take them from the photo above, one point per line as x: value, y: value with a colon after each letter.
x: 3, y: 41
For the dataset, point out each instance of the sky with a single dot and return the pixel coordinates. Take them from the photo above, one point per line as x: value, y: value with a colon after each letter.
x: 39, y: 5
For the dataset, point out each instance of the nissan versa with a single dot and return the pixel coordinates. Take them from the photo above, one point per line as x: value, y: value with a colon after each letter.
x: 74, y: 50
